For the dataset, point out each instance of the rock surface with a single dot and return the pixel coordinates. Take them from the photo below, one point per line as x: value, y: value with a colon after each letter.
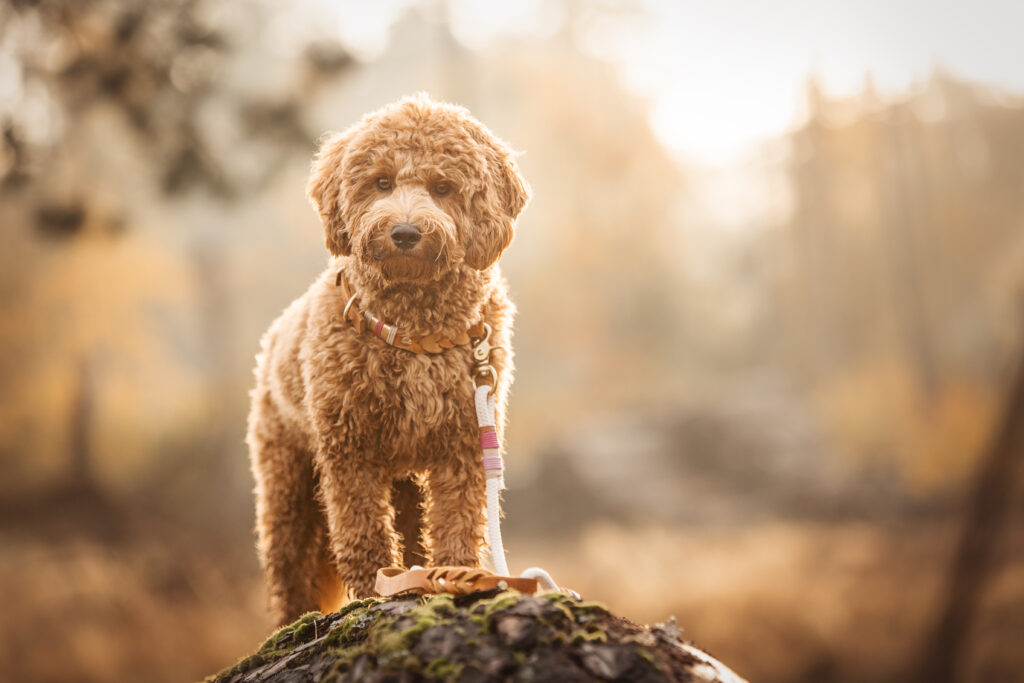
x: 487, y: 636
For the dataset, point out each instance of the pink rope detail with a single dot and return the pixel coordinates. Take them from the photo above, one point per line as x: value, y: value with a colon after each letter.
x: 492, y: 462
x: 378, y: 328
x: 489, y: 440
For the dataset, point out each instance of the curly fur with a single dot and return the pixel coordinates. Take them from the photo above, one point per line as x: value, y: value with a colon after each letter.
x: 337, y: 416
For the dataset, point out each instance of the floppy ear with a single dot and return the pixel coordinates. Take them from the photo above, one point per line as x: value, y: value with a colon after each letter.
x: 324, y: 190
x: 495, y: 209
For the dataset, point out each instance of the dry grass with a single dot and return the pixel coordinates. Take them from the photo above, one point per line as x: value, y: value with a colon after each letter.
x: 79, y: 610
x: 777, y: 602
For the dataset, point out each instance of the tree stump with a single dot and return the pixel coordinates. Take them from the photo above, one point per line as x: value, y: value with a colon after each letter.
x: 486, y: 636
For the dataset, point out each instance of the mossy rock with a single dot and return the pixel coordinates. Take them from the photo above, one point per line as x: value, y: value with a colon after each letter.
x: 488, y: 636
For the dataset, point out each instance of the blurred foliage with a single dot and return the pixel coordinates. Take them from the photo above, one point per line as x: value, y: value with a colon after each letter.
x: 931, y: 448
x: 908, y: 216
x: 117, y: 110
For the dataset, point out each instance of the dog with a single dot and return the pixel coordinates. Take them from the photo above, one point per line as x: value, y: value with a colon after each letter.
x: 417, y: 201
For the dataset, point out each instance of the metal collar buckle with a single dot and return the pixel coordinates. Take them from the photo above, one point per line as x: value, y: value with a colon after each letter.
x: 482, y: 359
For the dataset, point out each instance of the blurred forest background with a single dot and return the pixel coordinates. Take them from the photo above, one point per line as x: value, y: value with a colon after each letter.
x: 758, y: 393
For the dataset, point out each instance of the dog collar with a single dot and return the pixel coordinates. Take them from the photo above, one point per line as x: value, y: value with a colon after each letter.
x: 390, y: 334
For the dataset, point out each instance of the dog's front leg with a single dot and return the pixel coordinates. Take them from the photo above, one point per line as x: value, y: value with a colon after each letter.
x: 456, y: 502
x: 355, y: 492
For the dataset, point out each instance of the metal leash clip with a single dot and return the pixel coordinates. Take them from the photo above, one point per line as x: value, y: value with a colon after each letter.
x: 482, y: 356
x: 482, y: 347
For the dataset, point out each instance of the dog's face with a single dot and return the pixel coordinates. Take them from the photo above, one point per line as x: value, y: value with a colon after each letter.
x: 416, y: 189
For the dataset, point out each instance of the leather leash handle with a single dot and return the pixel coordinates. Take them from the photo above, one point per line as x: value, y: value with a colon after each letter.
x: 454, y: 580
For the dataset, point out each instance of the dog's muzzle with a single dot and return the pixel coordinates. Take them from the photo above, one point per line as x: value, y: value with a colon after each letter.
x: 405, y: 236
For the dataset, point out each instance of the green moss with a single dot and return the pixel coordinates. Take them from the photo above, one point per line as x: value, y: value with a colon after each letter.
x: 591, y: 607
x: 387, y: 644
x: 647, y: 655
x: 444, y: 669
x: 499, y: 602
x: 304, y: 633
x: 440, y: 604
x: 385, y: 638
x: 576, y: 608
x: 595, y: 636
x: 391, y: 643
x: 344, y: 662
x: 243, y: 665
x: 290, y: 634
x: 359, y: 604
x: 654, y: 661
x: 353, y: 628
x: 279, y: 643
x: 249, y: 663
x: 564, y: 607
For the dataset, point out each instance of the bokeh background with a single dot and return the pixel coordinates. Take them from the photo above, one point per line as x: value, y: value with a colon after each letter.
x: 771, y: 294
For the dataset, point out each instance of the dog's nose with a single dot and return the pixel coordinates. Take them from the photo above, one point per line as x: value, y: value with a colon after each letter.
x: 405, y: 235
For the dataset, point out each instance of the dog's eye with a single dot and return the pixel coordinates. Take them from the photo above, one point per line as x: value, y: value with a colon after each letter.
x: 442, y: 188
x: 383, y: 184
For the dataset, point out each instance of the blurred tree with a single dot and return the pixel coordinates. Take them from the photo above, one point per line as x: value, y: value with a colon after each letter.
x: 901, y: 209
x: 986, y: 512
x: 902, y: 199
x: 827, y: 334
x: 83, y: 474
x: 116, y: 103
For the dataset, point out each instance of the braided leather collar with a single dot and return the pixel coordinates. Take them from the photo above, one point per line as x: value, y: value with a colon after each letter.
x: 390, y: 334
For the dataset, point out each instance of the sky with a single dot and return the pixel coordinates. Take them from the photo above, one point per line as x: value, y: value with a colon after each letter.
x: 722, y: 76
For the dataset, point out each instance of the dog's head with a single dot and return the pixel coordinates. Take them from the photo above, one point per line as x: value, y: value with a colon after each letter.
x: 416, y: 189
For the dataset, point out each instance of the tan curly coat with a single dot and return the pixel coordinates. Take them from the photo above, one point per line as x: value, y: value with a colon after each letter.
x: 337, y: 415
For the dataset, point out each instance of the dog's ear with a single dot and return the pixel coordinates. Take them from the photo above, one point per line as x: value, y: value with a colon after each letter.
x: 324, y: 190
x: 496, y: 208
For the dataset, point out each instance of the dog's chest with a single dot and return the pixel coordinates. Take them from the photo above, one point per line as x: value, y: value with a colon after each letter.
x: 418, y: 398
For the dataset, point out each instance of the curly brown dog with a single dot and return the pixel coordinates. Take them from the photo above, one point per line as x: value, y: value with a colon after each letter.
x: 417, y: 201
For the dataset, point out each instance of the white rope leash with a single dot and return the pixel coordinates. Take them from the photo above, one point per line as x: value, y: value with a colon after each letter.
x: 494, y: 470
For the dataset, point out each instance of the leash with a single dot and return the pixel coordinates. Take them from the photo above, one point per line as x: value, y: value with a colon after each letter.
x: 494, y: 467
x: 457, y: 580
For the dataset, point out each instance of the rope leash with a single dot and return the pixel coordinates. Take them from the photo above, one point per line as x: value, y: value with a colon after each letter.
x: 494, y: 468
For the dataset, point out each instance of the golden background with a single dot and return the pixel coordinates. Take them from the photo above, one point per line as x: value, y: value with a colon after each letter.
x: 770, y: 295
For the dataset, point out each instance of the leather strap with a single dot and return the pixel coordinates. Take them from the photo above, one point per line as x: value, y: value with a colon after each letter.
x: 454, y: 580
x: 428, y: 343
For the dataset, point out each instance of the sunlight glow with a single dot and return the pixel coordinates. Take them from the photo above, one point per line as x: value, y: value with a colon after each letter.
x: 723, y: 76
